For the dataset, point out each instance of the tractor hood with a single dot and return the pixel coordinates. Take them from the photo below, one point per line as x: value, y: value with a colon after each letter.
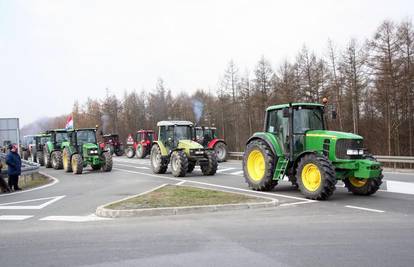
x: 88, y: 146
x: 331, y: 135
x: 188, y: 144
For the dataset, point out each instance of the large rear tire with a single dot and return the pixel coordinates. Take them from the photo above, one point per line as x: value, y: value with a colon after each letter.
x: 119, y: 151
x: 179, y: 163
x: 77, y: 164
x: 46, y: 158
x: 141, y: 153
x: 107, y: 166
x: 130, y: 152
x: 211, y: 167
x: 57, y: 160
x: 66, y: 158
x: 315, y: 176
x: 158, y: 163
x: 40, y: 158
x: 221, y: 151
x: 364, y: 187
x: 259, y: 164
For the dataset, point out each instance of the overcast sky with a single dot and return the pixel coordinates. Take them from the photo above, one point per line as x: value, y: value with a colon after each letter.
x: 55, y: 52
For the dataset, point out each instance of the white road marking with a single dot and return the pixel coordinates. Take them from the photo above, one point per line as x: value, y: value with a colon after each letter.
x: 400, y: 187
x: 366, y: 209
x: 14, y: 217
x: 55, y: 181
x: 180, y: 183
x: 133, y: 161
x: 12, y: 206
x: 224, y: 170
x: 136, y: 167
x: 219, y: 186
x: 237, y: 173
x: 402, y: 173
x: 88, y: 218
x: 296, y: 203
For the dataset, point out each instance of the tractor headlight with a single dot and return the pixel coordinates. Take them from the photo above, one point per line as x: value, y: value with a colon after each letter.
x: 93, y: 151
x: 199, y: 152
x: 354, y: 152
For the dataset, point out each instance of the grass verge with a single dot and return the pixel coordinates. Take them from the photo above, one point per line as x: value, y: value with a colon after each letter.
x: 33, y: 180
x: 181, y: 196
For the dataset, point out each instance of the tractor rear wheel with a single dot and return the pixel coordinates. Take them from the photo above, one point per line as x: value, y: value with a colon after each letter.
x: 158, y: 164
x: 364, y: 187
x: 46, y: 158
x: 221, y: 151
x: 40, y: 158
x: 191, y: 166
x: 67, y: 166
x: 57, y: 160
x: 259, y: 164
x: 107, y: 166
x: 179, y: 163
x: 315, y: 176
x: 141, y: 153
x: 77, y: 164
x: 130, y: 152
x: 211, y: 167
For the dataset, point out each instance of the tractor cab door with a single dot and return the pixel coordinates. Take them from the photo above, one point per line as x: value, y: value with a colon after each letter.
x: 278, y: 125
x: 166, y: 136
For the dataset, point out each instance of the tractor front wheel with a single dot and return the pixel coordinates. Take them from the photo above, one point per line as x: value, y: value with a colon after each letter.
x: 211, y: 167
x: 221, y: 151
x: 364, y: 187
x: 191, y: 166
x: 40, y: 158
x: 67, y: 166
x: 315, y: 176
x: 57, y: 160
x: 107, y: 166
x: 259, y: 166
x: 46, y: 158
x: 77, y: 164
x: 179, y: 163
x: 141, y: 153
x: 158, y: 164
x: 119, y: 151
x: 130, y: 152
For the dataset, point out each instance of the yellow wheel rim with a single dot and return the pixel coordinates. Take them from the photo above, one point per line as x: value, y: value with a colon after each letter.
x: 65, y: 160
x: 256, y: 165
x: 311, y: 177
x: 357, y: 182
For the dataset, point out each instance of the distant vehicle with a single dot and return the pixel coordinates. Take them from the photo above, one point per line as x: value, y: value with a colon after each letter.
x: 52, y: 151
x: 207, y: 137
x: 36, y: 153
x: 141, y: 145
x: 26, y: 146
x: 112, y: 144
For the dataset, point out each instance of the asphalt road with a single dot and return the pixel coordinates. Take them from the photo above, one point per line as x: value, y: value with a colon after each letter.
x: 55, y: 225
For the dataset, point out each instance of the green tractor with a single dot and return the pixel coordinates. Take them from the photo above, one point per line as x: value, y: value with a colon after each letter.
x: 52, y: 151
x: 295, y: 143
x: 175, y: 145
x: 82, y: 150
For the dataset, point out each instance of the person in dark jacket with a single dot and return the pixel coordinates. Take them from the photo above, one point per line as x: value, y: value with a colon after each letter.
x: 14, y: 164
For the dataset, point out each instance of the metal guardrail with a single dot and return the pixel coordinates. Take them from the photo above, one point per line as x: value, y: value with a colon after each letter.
x: 28, y: 167
x: 380, y: 158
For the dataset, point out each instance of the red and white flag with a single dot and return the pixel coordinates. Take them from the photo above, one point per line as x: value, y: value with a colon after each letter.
x: 69, y: 123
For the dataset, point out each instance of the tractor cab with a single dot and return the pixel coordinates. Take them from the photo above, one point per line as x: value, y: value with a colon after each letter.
x: 204, y: 135
x: 112, y: 139
x: 84, y: 140
x: 142, y: 144
x: 57, y: 137
x: 111, y: 143
x: 147, y: 136
x: 52, y: 150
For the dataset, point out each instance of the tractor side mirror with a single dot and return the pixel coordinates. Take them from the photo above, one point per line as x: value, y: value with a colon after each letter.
x: 285, y: 113
x: 334, y: 114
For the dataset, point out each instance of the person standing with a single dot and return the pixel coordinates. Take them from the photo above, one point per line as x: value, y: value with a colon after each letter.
x: 14, y: 169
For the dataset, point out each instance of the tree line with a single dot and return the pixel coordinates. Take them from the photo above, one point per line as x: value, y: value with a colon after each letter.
x: 369, y: 83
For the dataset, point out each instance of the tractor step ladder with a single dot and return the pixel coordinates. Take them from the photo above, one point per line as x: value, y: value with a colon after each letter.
x: 281, y: 166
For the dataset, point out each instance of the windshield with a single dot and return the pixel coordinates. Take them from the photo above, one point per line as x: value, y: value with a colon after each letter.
x: 183, y: 133
x: 61, y: 137
x: 305, y: 119
x: 86, y: 137
x: 44, y: 139
x: 150, y: 136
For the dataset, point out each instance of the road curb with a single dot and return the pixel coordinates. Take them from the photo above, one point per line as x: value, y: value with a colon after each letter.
x: 101, y: 211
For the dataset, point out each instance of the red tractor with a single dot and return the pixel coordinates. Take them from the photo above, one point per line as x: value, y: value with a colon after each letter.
x: 112, y: 144
x: 207, y: 137
x: 141, y: 145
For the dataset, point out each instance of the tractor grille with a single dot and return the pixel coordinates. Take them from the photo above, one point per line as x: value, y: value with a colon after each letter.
x: 342, y: 145
x: 197, y: 152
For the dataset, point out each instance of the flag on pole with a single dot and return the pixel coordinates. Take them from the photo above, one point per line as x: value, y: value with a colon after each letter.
x: 69, y: 123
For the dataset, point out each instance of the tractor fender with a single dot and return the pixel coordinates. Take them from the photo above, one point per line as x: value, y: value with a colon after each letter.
x: 270, y: 140
x: 164, y: 151
x: 214, y: 142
